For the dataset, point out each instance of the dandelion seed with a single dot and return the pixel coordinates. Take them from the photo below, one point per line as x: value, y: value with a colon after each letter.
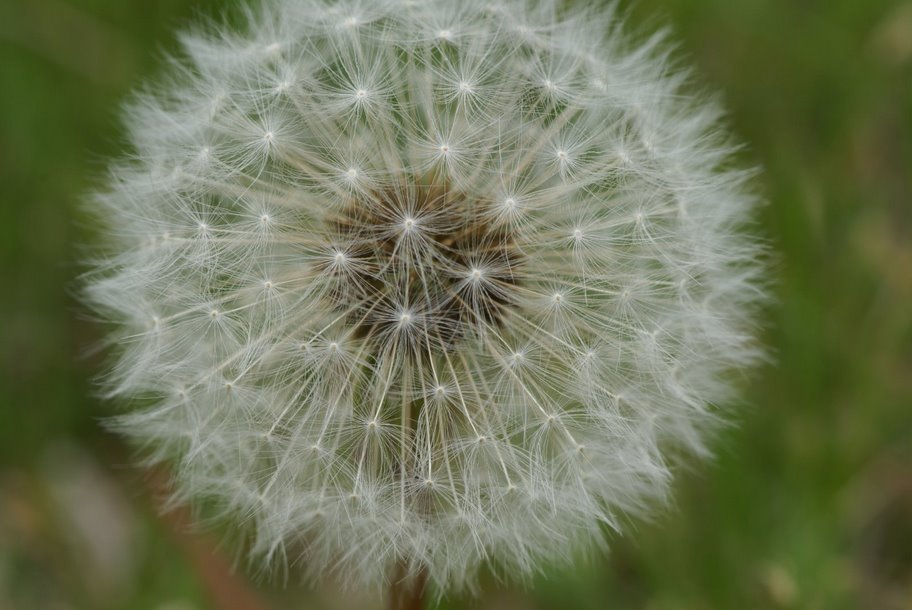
x: 423, y: 285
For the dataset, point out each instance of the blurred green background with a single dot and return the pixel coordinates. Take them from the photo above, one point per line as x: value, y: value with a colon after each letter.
x: 809, y: 504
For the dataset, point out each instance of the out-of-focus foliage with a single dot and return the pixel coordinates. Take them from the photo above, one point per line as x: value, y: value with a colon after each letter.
x: 809, y: 503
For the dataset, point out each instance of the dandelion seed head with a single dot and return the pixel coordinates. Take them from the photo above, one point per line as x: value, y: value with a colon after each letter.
x: 427, y: 282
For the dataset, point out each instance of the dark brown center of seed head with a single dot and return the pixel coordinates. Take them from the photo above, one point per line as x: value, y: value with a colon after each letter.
x: 422, y: 262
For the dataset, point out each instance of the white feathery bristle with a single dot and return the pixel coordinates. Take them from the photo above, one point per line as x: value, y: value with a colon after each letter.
x: 425, y: 283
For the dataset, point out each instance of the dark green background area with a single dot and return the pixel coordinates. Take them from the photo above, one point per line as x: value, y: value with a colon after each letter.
x: 809, y: 502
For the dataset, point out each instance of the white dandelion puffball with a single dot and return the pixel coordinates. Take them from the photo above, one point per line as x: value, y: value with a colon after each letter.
x: 424, y: 284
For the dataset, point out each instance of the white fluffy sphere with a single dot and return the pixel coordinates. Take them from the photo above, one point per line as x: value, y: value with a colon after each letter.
x: 424, y: 283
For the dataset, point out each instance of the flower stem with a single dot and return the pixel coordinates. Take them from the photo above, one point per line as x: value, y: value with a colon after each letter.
x: 407, y: 592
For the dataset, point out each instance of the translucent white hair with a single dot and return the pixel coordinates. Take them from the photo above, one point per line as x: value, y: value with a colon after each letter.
x: 424, y: 283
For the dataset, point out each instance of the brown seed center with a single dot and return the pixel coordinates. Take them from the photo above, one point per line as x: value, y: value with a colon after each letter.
x: 423, y: 264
